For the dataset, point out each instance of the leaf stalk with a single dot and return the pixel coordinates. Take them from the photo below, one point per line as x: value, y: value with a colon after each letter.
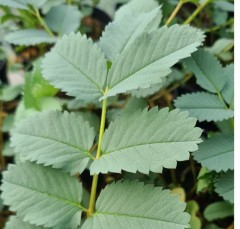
x: 95, y: 176
x: 174, y: 13
x: 196, y: 12
x: 43, y: 23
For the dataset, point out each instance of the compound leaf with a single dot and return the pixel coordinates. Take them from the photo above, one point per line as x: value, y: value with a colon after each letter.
x: 15, y: 222
x: 119, y: 34
x: 42, y: 195
x: 64, y: 19
x: 225, y: 186
x: 208, y: 70
x: 204, y: 106
x: 62, y: 140
x: 77, y: 66
x: 147, y: 141
x: 29, y: 37
x: 218, y: 210
x: 118, y: 206
x: 216, y: 153
x: 161, y: 49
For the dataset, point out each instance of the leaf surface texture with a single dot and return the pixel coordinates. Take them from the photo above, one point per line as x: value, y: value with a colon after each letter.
x: 204, y: 106
x: 120, y: 34
x: 77, y: 66
x: 208, y: 70
x: 29, y: 37
x: 149, y: 59
x: 216, y: 153
x: 62, y: 140
x: 147, y: 207
x: 225, y: 186
x: 42, y: 195
x: 147, y: 141
x: 63, y: 19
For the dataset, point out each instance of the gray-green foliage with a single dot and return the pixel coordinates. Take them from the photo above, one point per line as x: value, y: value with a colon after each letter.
x: 218, y: 210
x: 87, y: 75
x: 15, y: 222
x: 216, y: 153
x: 116, y: 37
x: 62, y: 140
x: 29, y: 37
x: 208, y: 71
x: 225, y: 186
x: 9, y: 93
x: 63, y: 19
x: 215, y: 79
x: 137, y: 139
x: 133, y: 142
x: 23, y: 4
x: 228, y: 89
x: 57, y: 18
x: 204, y: 106
x: 160, y: 50
x: 40, y: 195
x: 76, y: 65
x: 119, y: 207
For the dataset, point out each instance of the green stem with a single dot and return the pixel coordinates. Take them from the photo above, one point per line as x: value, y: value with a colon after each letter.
x: 95, y: 176
x: 43, y: 23
x: 196, y: 12
x: 174, y: 13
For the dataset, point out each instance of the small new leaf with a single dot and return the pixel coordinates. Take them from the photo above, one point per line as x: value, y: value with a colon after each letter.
x: 42, y: 195
x: 62, y: 140
x: 118, y: 206
x: 147, y: 141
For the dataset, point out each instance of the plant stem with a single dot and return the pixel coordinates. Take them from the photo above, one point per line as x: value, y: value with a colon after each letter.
x: 196, y: 12
x: 43, y: 23
x: 95, y: 176
x: 174, y: 13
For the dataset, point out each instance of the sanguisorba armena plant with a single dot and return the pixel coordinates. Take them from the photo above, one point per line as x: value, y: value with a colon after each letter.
x: 132, y: 54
